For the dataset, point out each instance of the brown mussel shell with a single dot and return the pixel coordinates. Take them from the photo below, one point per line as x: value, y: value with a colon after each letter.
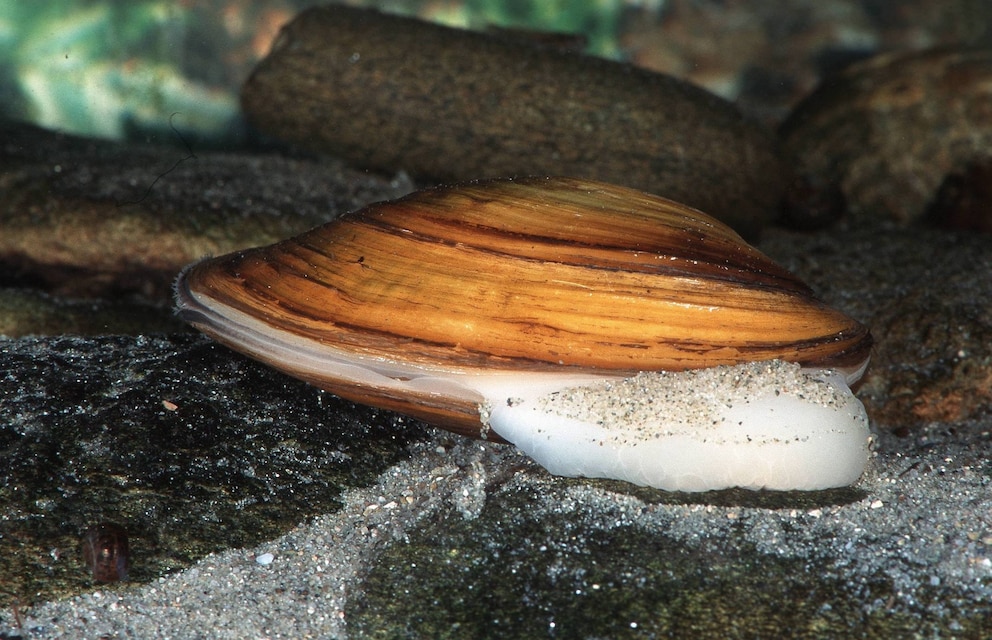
x: 533, y: 274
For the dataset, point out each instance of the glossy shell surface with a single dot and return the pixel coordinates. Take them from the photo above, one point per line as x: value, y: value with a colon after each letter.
x: 536, y: 274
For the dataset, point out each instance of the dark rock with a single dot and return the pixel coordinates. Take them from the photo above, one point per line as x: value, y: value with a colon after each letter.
x: 190, y: 446
x: 397, y: 93
x: 85, y: 217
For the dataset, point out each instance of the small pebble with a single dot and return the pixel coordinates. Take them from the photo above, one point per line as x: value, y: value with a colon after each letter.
x: 106, y: 552
x: 264, y: 559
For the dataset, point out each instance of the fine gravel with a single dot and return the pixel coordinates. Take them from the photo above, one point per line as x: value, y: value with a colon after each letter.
x: 920, y: 520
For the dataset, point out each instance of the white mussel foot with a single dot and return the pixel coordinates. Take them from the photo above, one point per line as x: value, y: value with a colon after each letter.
x: 762, y: 425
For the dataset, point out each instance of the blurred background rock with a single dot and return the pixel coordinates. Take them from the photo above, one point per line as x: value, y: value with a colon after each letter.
x: 119, y: 69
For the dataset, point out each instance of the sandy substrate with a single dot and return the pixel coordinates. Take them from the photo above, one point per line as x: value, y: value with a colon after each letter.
x: 919, y: 522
